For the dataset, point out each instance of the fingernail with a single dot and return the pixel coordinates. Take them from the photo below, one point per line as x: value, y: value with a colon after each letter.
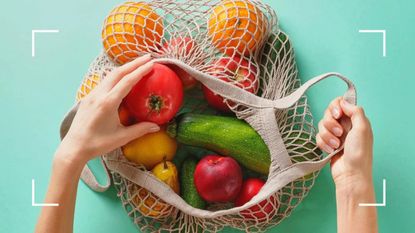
x: 327, y: 149
x: 337, y: 131
x: 154, y: 129
x: 334, y: 143
x: 335, y: 112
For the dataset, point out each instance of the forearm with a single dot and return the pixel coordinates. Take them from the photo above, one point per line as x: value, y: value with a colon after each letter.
x: 62, y: 190
x: 350, y: 216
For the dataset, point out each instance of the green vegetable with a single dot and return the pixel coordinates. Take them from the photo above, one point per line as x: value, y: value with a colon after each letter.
x: 188, y: 188
x: 225, y: 135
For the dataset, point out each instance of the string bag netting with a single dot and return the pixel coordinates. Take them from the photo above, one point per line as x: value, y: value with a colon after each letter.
x: 194, y: 37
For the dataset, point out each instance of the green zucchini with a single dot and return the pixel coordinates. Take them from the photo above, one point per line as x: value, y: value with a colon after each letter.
x: 188, y: 188
x: 227, y: 136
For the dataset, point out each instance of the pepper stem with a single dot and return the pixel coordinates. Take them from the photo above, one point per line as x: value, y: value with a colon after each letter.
x: 165, y: 163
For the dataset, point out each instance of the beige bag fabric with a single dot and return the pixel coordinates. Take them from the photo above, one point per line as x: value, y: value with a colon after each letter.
x: 279, y: 113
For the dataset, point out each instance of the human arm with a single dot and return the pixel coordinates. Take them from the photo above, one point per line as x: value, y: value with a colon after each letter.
x: 352, y: 167
x: 95, y: 130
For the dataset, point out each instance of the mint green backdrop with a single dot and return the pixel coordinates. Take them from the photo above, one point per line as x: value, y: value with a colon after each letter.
x: 36, y: 92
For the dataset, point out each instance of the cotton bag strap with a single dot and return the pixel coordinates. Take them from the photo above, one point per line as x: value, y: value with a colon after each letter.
x: 87, y: 175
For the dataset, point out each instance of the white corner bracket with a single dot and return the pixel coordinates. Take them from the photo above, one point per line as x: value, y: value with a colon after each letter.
x: 383, y: 204
x: 40, y: 204
x: 34, y: 38
x: 383, y: 32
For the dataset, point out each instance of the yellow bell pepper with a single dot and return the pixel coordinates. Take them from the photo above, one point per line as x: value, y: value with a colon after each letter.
x: 150, y: 149
x: 166, y: 171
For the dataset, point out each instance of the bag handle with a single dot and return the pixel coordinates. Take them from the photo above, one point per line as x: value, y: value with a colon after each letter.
x: 87, y: 176
x: 272, y: 135
x: 238, y: 95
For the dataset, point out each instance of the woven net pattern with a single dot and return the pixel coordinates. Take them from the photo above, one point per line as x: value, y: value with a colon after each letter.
x: 199, y: 34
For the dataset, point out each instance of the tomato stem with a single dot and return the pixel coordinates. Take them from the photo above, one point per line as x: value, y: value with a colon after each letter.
x: 155, y: 102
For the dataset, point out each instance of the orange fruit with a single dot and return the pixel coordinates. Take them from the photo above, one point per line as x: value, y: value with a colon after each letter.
x: 148, y: 204
x: 89, y: 83
x: 237, y: 26
x: 130, y: 29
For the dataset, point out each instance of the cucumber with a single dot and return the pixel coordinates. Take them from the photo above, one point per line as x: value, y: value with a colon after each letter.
x: 188, y: 188
x: 227, y: 136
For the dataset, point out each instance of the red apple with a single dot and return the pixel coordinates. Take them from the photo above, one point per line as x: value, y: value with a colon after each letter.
x: 187, y: 80
x: 239, y: 71
x: 250, y: 188
x: 181, y: 46
x: 217, y: 178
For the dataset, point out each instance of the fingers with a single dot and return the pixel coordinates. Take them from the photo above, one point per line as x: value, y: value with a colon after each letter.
x: 335, y: 109
x: 322, y: 145
x: 328, y: 138
x: 355, y: 113
x: 332, y: 125
x: 330, y: 129
x: 124, y: 70
x: 339, y: 118
x: 122, y: 88
x: 358, y: 119
x: 135, y: 131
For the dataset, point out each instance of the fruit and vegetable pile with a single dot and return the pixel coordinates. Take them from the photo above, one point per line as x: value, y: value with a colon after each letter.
x: 205, y: 152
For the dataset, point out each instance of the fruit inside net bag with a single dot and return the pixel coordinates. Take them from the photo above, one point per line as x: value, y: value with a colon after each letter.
x: 245, y: 66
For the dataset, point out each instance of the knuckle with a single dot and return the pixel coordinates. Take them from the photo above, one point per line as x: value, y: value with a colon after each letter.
x: 327, y: 123
x: 321, y: 125
x: 365, y: 127
x: 318, y: 140
x: 105, y: 103
x: 116, y: 73
x: 360, y: 111
x: 108, y: 101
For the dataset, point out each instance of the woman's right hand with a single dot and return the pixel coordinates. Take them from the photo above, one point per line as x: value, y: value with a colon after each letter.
x: 347, y: 123
x: 96, y: 127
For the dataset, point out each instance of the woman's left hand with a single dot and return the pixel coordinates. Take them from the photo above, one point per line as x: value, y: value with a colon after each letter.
x: 96, y: 127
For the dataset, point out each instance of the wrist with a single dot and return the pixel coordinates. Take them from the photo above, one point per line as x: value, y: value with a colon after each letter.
x: 354, y: 185
x: 71, y: 156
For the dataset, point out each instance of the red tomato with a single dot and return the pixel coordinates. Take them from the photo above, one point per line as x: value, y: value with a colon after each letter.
x: 239, y: 71
x: 157, y: 97
x: 125, y: 116
x: 250, y: 188
x: 181, y: 47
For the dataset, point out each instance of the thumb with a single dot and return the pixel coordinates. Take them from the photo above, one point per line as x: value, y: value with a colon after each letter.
x: 140, y: 129
x: 355, y: 113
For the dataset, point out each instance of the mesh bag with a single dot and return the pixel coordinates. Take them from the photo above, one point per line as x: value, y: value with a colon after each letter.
x: 194, y: 36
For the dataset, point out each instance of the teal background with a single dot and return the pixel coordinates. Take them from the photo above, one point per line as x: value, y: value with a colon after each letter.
x: 36, y: 92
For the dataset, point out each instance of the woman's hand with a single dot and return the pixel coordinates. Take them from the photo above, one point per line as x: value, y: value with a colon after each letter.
x: 347, y: 123
x: 96, y: 128
x: 352, y: 167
